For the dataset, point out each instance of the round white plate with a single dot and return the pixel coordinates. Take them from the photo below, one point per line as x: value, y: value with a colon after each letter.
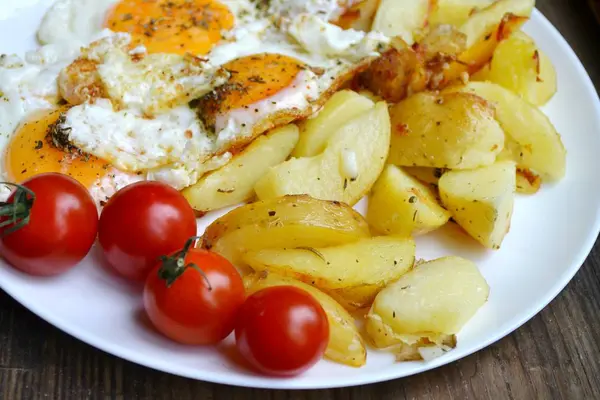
x: 551, y: 235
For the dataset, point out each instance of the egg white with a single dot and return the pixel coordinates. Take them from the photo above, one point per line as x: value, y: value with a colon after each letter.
x: 145, y: 141
x: 74, y: 21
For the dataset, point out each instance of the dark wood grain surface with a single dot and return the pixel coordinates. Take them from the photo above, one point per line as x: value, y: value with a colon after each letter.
x: 555, y: 355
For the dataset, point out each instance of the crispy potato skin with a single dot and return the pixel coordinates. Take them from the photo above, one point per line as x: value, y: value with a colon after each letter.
x: 284, y: 222
x: 439, y: 130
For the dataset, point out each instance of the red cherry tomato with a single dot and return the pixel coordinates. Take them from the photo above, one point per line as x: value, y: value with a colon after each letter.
x: 55, y: 226
x: 282, y: 331
x: 194, y: 296
x: 142, y: 222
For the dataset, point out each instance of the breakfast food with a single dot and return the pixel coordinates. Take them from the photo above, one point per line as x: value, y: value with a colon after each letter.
x: 290, y: 221
x: 421, y: 312
x: 401, y: 205
x: 346, y: 169
x: 520, y: 66
x: 481, y: 200
x: 234, y: 182
x: 350, y: 273
x: 289, y: 113
x: 531, y: 139
x: 455, y: 131
x: 169, y: 90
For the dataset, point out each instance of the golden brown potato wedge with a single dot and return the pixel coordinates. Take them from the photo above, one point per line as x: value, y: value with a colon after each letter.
x: 484, y: 30
x: 345, y: 171
x: 444, y: 131
x: 285, y: 222
x: 481, y: 200
x: 455, y: 12
x: 337, y: 111
x: 345, y: 343
x: 426, y: 307
x: 520, y: 66
x: 352, y: 273
x: 234, y: 183
x: 359, y: 16
x: 534, y: 142
x: 401, y: 18
x: 401, y: 205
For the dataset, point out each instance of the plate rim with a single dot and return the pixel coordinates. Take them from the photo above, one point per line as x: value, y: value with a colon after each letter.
x: 290, y: 383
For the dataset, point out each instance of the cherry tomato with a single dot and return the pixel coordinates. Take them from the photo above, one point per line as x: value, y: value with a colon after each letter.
x: 193, y: 297
x: 48, y: 224
x: 282, y: 331
x: 142, y: 222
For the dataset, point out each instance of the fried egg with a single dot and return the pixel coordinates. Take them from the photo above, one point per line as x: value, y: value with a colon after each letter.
x: 168, y: 89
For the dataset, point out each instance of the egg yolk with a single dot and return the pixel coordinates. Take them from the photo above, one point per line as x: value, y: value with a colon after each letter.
x: 172, y: 26
x: 30, y: 153
x: 255, y: 78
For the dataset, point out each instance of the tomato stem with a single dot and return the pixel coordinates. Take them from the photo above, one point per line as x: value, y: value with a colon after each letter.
x: 174, y: 265
x: 18, y: 211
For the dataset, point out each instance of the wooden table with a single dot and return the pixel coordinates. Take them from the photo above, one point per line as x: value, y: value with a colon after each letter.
x: 556, y: 355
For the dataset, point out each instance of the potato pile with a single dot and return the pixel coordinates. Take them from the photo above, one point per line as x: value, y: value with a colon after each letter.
x: 445, y: 126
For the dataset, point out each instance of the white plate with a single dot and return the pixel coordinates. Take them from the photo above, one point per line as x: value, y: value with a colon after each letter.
x: 551, y: 235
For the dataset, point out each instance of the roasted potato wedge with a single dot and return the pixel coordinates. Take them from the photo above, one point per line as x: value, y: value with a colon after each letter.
x: 401, y: 18
x: 484, y: 30
x: 401, y: 205
x: 455, y: 12
x: 520, y: 66
x: 234, y: 182
x: 534, y: 143
x: 316, y: 132
x: 285, y: 222
x: 353, y: 159
x: 481, y: 200
x: 444, y: 131
x: 359, y: 16
x: 345, y: 346
x: 426, y: 307
x: 486, y: 20
x: 352, y: 273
